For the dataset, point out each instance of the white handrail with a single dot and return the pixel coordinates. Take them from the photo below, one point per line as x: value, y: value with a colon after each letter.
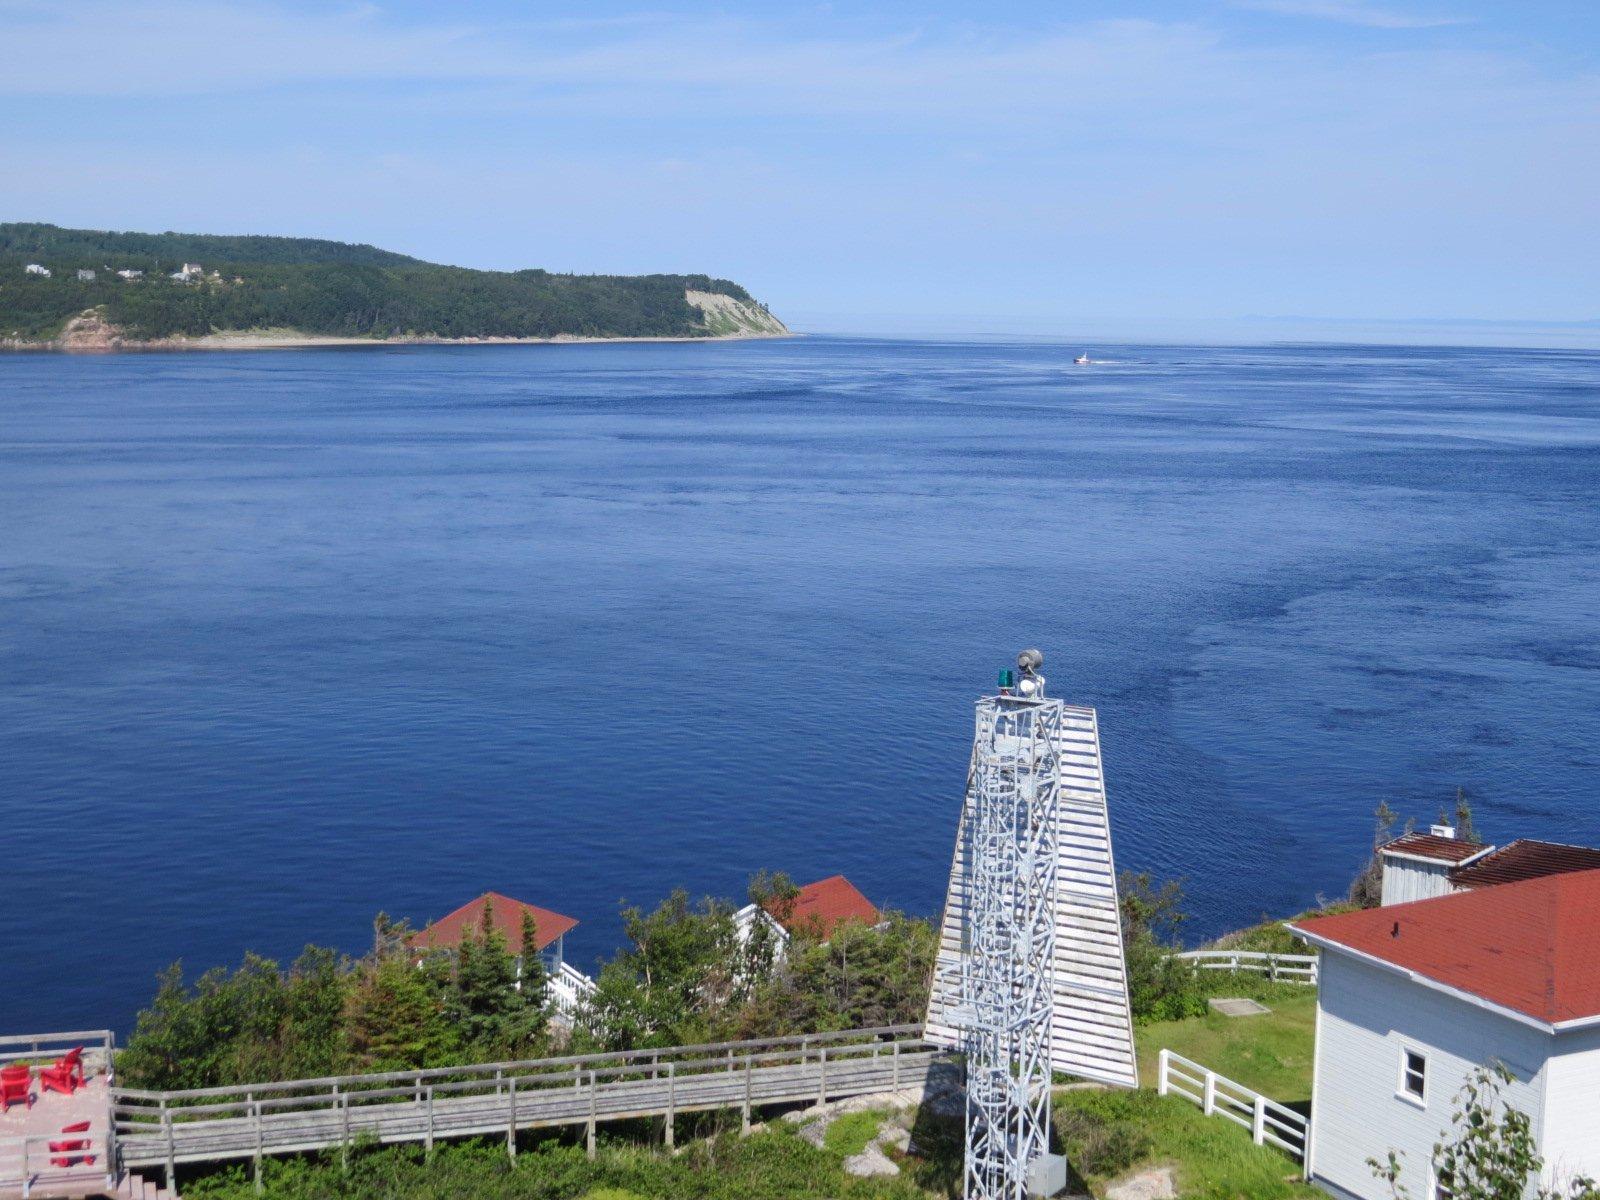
x: 1269, y: 1122
x: 1291, y: 968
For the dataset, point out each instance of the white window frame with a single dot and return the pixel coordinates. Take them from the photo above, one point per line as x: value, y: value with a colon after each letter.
x: 1438, y: 1191
x: 1402, y: 1088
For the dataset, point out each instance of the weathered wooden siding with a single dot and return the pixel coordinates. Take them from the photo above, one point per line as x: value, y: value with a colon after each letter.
x: 1406, y: 879
x: 1367, y: 1017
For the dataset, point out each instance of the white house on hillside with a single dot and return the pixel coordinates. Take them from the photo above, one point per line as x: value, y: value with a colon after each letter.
x: 37, y: 269
x: 1413, y: 997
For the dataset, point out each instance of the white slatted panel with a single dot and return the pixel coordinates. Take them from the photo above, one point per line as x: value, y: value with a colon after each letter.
x: 1093, y: 1029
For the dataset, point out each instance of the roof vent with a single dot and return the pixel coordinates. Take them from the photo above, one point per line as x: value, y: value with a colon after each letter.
x: 1444, y: 831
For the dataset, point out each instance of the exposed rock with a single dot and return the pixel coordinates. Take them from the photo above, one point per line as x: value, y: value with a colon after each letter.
x: 1154, y: 1184
x: 814, y: 1132
x: 88, y: 332
x: 894, y: 1138
x: 871, y: 1161
x: 727, y: 317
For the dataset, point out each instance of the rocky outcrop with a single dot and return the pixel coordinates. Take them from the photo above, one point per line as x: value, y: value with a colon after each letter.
x: 726, y: 316
x: 870, y: 1162
x: 1154, y: 1184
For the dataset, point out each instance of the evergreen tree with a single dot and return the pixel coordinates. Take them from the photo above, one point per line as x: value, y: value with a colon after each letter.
x: 1465, y: 830
x: 396, y: 1015
x: 1366, y: 889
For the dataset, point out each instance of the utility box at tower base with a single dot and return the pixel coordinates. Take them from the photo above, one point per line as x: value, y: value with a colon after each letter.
x: 1047, y: 1175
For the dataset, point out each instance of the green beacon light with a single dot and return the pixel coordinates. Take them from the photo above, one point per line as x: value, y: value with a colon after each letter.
x: 1008, y: 678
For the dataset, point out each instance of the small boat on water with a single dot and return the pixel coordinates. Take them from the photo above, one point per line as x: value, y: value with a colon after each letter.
x: 1082, y: 360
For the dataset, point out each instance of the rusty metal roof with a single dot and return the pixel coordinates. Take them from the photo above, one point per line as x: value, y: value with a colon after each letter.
x: 1439, y: 849
x: 1522, y: 859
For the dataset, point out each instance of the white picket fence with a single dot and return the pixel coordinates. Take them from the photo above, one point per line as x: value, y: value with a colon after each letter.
x: 1269, y: 1123
x: 1291, y: 968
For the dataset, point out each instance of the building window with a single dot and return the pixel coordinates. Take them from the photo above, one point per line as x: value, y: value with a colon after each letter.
x: 1413, y: 1075
x: 1441, y: 1186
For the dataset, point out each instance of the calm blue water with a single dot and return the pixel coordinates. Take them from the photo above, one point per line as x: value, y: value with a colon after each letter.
x: 289, y: 638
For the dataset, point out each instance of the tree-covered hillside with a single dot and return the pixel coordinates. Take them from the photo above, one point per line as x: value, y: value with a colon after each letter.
x: 324, y: 288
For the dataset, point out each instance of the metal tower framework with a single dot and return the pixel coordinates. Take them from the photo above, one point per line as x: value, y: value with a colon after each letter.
x: 1007, y: 970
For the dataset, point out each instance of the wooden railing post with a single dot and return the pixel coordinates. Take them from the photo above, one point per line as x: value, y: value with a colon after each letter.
x: 344, y: 1130
x: 1163, y: 1065
x: 744, y: 1113
x: 822, y: 1075
x: 1210, y: 1105
x: 511, y: 1117
x: 589, y: 1140
x: 672, y: 1103
x: 172, y: 1150
x: 255, y: 1116
x: 1258, y: 1123
x: 895, y: 1078
x: 428, y: 1144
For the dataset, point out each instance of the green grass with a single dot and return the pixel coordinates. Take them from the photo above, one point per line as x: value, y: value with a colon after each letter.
x: 1270, y: 1053
x: 1212, y: 1158
x: 848, y: 1135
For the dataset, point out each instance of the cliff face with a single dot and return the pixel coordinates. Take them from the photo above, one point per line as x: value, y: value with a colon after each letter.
x: 726, y: 316
x: 89, y: 332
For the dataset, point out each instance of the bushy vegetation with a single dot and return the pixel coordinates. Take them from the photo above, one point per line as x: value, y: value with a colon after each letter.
x: 321, y: 287
x: 326, y: 1014
x: 683, y: 977
x: 773, y: 1164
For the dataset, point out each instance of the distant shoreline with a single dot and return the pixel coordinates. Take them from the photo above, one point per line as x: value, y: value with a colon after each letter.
x: 288, y: 340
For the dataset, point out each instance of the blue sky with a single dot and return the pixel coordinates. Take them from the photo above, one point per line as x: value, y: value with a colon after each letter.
x: 859, y: 166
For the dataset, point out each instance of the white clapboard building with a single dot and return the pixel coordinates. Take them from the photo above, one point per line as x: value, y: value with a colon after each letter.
x: 1414, y: 997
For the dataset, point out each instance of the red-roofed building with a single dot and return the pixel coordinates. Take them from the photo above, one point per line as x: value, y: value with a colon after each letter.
x: 505, y: 914
x: 823, y: 906
x: 1413, y: 997
x: 818, y: 909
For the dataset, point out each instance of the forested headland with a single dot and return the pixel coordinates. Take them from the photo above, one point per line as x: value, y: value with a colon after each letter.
x: 93, y: 289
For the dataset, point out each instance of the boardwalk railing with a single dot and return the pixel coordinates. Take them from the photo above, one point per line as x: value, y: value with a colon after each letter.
x: 1269, y: 1122
x: 254, y: 1120
x: 29, y: 1165
x: 46, y: 1047
x: 1291, y: 968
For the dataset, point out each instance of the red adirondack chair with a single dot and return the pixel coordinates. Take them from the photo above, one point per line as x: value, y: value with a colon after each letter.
x: 62, y: 1153
x: 65, y: 1076
x: 16, y: 1085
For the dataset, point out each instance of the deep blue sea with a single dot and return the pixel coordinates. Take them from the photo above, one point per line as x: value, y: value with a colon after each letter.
x: 287, y: 638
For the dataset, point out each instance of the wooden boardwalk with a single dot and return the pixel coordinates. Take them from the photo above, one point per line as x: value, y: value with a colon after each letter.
x: 211, y: 1124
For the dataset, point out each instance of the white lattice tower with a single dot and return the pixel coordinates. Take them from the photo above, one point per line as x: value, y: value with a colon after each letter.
x: 1007, y: 971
